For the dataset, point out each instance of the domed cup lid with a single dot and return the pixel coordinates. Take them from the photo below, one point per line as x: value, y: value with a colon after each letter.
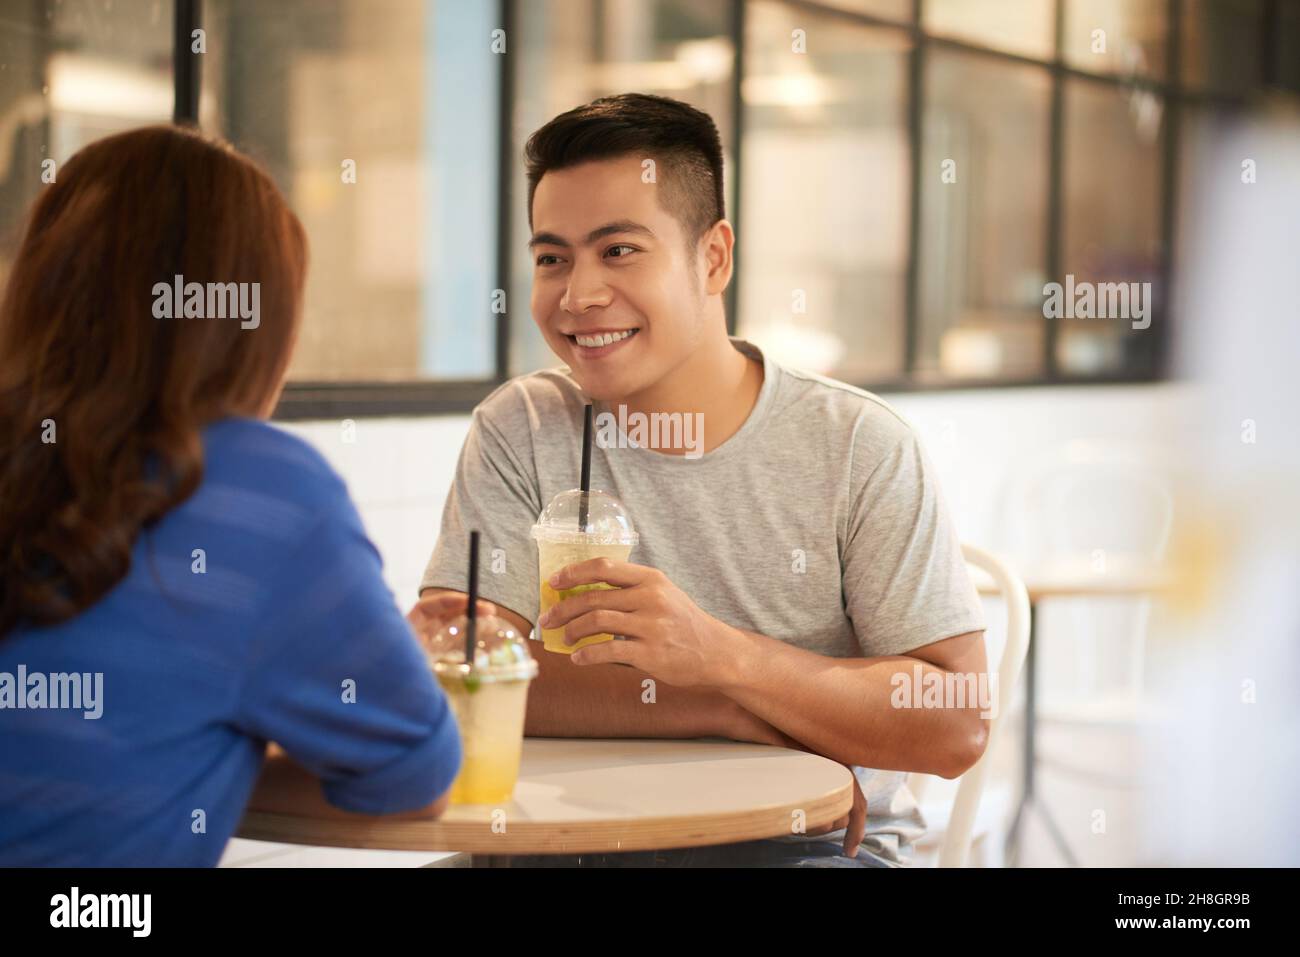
x: 500, y: 654
x: 607, y: 521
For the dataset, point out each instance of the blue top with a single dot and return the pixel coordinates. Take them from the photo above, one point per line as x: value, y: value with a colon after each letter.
x: 280, y: 629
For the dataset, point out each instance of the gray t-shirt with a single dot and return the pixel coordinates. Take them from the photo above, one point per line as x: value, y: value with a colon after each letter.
x: 819, y: 523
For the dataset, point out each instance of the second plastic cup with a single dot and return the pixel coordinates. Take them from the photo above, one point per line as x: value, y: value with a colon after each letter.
x: 561, y: 540
x: 489, y: 701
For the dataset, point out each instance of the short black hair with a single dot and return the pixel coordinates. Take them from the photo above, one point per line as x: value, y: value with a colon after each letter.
x: 682, y: 140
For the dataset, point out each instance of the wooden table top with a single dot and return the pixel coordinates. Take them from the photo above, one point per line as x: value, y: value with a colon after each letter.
x: 586, y: 795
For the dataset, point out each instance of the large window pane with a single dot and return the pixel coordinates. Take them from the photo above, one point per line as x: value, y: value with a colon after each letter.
x: 983, y: 218
x: 1112, y: 190
x: 403, y: 259
x: 573, y: 51
x: 73, y: 71
x: 823, y: 244
x: 1017, y: 26
x: 1117, y: 36
x: 1222, y: 44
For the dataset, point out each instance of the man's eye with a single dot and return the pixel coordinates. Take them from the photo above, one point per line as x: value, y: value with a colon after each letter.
x: 630, y: 249
x: 542, y: 259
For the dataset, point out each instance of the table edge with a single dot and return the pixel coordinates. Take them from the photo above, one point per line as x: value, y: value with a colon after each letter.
x: 527, y: 837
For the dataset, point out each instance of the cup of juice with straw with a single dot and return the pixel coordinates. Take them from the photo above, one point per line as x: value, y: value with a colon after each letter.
x: 607, y: 533
x: 578, y: 525
x: 484, y: 667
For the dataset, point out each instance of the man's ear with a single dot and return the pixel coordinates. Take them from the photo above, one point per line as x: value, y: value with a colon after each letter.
x: 717, y: 243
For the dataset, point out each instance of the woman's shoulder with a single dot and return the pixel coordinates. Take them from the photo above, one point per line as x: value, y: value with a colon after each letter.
x: 254, y: 454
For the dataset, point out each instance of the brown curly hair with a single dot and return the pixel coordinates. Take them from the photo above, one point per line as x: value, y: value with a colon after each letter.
x: 101, y: 403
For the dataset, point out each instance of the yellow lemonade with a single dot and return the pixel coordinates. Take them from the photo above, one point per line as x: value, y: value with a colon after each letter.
x: 490, y: 714
x: 552, y: 556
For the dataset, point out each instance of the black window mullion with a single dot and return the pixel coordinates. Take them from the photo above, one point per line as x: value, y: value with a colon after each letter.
x: 187, y: 71
x: 737, y: 24
x: 1055, y: 189
x: 1160, y: 331
x: 915, y: 106
x: 1267, y: 43
x: 505, y: 176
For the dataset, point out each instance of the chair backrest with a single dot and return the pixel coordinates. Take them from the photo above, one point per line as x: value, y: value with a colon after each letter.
x: 1083, y: 497
x: 1088, y: 506
x: 957, y: 837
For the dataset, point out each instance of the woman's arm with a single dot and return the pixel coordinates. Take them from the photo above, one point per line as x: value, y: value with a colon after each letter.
x: 336, y: 678
x: 285, y: 787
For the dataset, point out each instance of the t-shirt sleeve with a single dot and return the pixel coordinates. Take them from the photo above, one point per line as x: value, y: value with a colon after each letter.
x: 905, y: 581
x: 338, y: 680
x: 495, y: 492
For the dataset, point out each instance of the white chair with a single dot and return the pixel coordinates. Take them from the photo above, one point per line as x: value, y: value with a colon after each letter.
x: 963, y: 823
x: 1071, y: 508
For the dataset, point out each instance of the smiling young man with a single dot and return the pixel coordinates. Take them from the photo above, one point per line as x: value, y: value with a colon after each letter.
x: 785, y: 576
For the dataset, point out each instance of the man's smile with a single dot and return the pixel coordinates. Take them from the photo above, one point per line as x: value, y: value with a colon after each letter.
x: 599, y: 342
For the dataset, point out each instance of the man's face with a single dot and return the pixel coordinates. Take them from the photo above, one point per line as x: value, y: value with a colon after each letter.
x: 614, y: 292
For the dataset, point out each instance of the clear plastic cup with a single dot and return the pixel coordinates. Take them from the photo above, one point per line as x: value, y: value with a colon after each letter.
x: 489, y: 701
x: 607, y: 533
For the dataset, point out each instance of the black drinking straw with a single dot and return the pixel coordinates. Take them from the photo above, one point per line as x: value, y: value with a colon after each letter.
x: 586, y: 469
x: 471, y: 612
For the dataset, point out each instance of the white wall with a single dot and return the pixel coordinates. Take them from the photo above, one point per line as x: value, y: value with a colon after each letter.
x: 398, y: 471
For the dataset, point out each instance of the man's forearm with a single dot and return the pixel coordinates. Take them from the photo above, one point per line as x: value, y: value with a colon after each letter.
x: 569, y: 701
x: 770, y: 692
x: 844, y: 708
x: 841, y: 708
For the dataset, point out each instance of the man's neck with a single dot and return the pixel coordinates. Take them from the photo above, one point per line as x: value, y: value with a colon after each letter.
x: 717, y: 381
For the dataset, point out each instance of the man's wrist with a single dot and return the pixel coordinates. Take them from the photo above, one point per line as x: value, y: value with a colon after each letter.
x: 729, y: 668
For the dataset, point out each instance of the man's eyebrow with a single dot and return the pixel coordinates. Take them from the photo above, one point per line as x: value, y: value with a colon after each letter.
x: 547, y: 239
x: 618, y: 226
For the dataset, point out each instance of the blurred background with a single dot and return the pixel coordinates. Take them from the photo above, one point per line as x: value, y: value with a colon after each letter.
x: 905, y: 177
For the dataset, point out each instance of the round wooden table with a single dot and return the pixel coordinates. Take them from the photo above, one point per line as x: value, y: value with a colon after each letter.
x: 586, y: 795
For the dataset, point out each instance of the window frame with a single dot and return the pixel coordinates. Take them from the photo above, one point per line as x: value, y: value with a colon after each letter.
x: 333, y: 399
